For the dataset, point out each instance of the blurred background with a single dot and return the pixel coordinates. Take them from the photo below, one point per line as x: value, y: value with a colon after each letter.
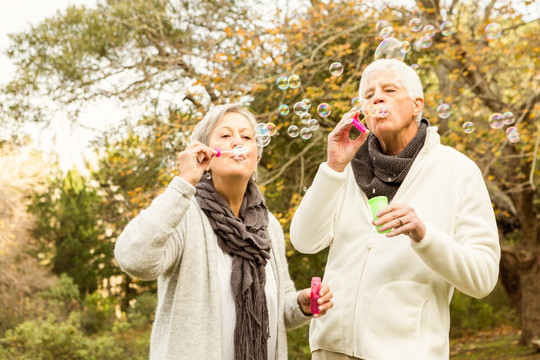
x: 98, y: 97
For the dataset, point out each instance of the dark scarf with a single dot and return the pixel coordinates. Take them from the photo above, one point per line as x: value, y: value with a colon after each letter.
x: 247, y: 241
x: 379, y: 174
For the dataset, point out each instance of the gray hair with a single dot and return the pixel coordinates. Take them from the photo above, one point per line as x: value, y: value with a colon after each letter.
x: 409, y: 78
x: 203, y: 130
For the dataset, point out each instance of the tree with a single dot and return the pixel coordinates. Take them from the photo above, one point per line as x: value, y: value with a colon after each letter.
x: 223, y: 53
x: 69, y: 230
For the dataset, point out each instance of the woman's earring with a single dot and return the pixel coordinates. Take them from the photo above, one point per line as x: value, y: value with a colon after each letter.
x: 207, y: 175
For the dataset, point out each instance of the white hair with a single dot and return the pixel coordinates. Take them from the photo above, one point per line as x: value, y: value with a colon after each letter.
x: 409, y: 78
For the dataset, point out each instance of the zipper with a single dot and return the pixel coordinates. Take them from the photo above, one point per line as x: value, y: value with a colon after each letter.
x: 369, y: 246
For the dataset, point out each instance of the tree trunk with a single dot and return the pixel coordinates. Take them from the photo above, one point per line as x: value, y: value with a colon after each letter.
x: 530, y: 295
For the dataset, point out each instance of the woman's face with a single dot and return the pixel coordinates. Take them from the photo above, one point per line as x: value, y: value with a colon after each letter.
x: 389, y: 109
x: 234, y: 129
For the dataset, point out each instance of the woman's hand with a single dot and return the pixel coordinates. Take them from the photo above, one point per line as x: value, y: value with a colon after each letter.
x: 341, y: 149
x: 324, y: 301
x: 402, y: 219
x: 193, y: 161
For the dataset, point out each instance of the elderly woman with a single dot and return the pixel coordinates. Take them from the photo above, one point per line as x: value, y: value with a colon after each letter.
x: 224, y: 291
x: 392, y: 289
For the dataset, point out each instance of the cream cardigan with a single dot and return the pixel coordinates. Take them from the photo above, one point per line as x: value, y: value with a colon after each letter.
x: 172, y: 241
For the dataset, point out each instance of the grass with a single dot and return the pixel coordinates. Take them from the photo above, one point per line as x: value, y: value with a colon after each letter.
x: 500, y: 343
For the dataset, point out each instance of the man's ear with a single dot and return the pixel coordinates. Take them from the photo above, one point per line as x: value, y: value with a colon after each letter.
x: 418, y: 106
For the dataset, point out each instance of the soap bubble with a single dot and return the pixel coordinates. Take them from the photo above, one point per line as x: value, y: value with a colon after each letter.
x: 426, y: 42
x: 383, y: 28
x: 305, y: 117
x: 300, y: 108
x: 508, y: 118
x: 356, y: 102
x: 282, y: 83
x: 272, y: 128
x: 415, y: 24
x: 305, y: 133
x: 336, y: 69
x: 377, y: 110
x: 443, y: 111
x: 512, y: 134
x: 294, y: 81
x: 293, y: 131
x: 447, y: 28
x: 324, y: 109
x: 313, y: 124
x: 262, y: 141
x: 495, y: 121
x: 405, y: 47
x: 283, y: 109
x: 389, y: 48
x: 415, y: 67
x: 493, y: 31
x: 307, y: 102
x: 261, y: 130
x: 468, y: 127
x: 429, y: 30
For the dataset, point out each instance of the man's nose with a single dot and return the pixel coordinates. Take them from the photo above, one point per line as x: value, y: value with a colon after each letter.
x: 378, y: 97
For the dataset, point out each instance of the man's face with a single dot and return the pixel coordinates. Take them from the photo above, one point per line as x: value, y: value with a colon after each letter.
x: 388, y: 106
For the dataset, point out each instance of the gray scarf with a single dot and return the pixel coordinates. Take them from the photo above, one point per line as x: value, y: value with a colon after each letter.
x: 247, y: 241
x: 379, y: 174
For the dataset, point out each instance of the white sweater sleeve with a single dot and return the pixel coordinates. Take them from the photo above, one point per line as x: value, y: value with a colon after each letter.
x: 313, y: 223
x: 150, y: 244
x: 470, y: 259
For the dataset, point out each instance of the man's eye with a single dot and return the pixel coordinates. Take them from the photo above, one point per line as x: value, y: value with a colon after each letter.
x: 225, y: 135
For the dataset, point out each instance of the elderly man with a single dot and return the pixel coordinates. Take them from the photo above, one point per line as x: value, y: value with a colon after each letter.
x: 392, y: 289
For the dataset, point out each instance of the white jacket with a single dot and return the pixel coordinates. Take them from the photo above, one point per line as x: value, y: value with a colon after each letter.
x: 392, y: 295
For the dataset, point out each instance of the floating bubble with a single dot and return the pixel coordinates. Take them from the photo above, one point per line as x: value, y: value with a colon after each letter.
x: 495, y: 121
x: 305, y: 133
x: 293, y: 131
x: 282, y: 83
x: 356, y: 103
x: 305, y: 117
x: 447, y: 28
x: 415, y: 67
x: 508, y: 118
x: 512, y: 134
x: 283, y: 109
x: 386, y: 32
x: 415, y: 24
x: 262, y: 141
x: 493, y: 31
x: 307, y: 102
x: 294, y: 81
x: 468, y: 127
x: 405, y: 47
x: 389, y: 48
x: 381, y: 24
x: 313, y: 124
x: 272, y: 128
x: 300, y: 108
x: 336, y: 69
x: 426, y: 42
x: 261, y: 130
x: 443, y: 111
x: 324, y: 109
x: 429, y: 30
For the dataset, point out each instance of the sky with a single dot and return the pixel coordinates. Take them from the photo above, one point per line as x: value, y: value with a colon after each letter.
x: 71, y: 143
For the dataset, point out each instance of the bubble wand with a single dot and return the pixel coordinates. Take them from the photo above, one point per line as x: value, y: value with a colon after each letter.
x: 238, y: 150
x: 356, y: 122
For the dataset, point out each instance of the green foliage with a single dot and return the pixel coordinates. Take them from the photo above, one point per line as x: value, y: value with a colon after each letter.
x: 468, y: 314
x: 98, y: 313
x: 141, y: 313
x: 50, y: 339
x: 70, y: 233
